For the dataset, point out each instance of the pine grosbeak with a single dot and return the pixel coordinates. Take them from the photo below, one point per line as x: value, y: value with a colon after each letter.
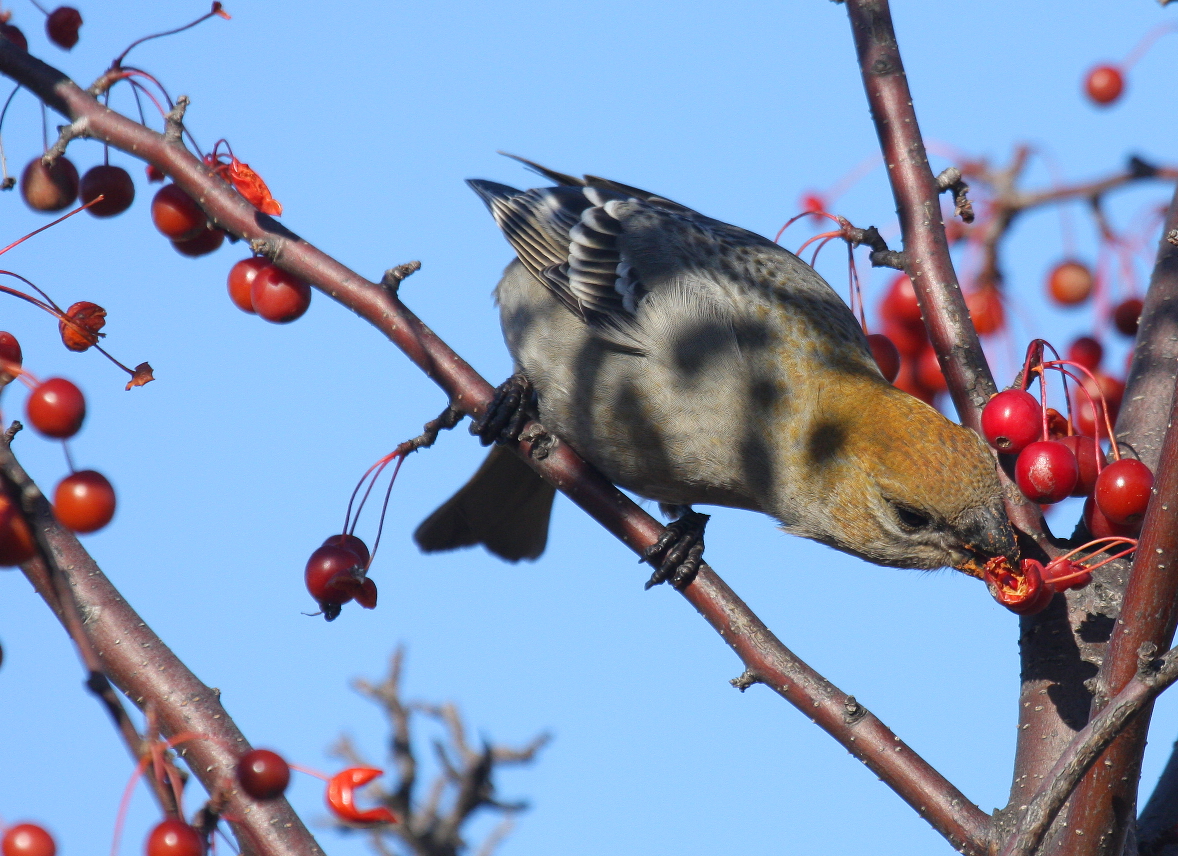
x: 695, y: 362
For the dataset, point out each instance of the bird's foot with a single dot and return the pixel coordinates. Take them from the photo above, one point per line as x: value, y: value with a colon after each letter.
x: 678, y: 553
x: 510, y: 409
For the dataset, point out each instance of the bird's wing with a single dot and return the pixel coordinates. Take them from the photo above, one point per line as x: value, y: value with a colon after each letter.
x: 566, y: 237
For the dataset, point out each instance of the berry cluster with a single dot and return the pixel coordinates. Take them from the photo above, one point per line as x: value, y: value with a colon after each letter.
x: 258, y: 286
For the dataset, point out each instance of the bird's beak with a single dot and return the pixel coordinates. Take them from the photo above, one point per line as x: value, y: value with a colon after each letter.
x: 986, y: 532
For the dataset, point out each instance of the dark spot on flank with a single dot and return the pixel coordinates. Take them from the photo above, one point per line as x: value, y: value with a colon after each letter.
x: 826, y: 442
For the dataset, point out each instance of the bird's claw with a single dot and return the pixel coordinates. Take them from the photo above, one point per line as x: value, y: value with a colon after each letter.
x: 678, y: 553
x: 509, y: 411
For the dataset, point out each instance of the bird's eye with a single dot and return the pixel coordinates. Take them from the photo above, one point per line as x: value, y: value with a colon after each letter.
x: 910, y: 519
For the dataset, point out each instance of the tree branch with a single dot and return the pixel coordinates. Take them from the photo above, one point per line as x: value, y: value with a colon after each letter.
x: 905, y: 772
x: 139, y: 664
x: 1151, y: 678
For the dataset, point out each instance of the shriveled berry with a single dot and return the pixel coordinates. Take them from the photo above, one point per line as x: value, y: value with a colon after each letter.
x: 278, y: 296
x: 113, y: 184
x: 366, y: 595
x: 88, y: 319
x: 263, y: 774
x: 49, y: 188
x: 1086, y: 351
x: 62, y: 25
x: 1046, y: 471
x: 206, y: 241
x: 27, y: 839
x: 84, y: 501
x: 1127, y: 315
x: 174, y: 837
x: 241, y: 277
x: 1123, y: 490
x: 176, y: 215
x: 887, y: 357
x: 1070, y: 283
x: 1012, y: 420
x: 56, y: 408
x: 1104, y: 84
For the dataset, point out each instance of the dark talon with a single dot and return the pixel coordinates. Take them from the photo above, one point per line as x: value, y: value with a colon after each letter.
x: 678, y: 553
x: 509, y: 411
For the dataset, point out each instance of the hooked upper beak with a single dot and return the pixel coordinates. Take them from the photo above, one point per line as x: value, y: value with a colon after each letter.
x: 985, y: 532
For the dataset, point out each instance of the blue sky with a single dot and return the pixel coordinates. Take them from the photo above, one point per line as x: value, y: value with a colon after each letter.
x: 364, y: 118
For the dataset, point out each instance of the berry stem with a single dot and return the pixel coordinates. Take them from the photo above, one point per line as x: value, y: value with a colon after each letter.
x: 216, y: 10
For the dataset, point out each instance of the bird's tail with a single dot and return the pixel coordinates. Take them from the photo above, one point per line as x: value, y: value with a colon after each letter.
x: 505, y: 507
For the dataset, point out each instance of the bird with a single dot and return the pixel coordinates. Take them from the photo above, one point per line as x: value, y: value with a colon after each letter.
x: 694, y: 362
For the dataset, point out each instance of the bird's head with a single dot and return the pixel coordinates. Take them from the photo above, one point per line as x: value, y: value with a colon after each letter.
x: 896, y: 483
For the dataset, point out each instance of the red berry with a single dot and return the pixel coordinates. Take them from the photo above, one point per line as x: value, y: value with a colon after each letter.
x: 176, y: 215
x: 1101, y: 527
x: 910, y: 339
x: 1012, y: 420
x: 899, y: 303
x: 1122, y: 491
x: 174, y: 837
x: 350, y: 542
x: 27, y: 839
x: 56, y: 408
x: 241, y: 277
x: 1084, y: 448
x: 1088, y: 414
x: 13, y: 34
x: 366, y: 596
x: 113, y: 184
x: 62, y: 26
x: 1070, y: 283
x: 883, y: 350
x: 84, y: 501
x: 88, y: 319
x: 263, y: 774
x: 1104, y: 84
x: 154, y: 173
x: 16, y: 541
x: 1127, y: 315
x: 1087, y: 352
x: 10, y: 349
x: 49, y: 188
x: 330, y: 575
x: 986, y: 310
x: 908, y: 381
x: 279, y: 296
x: 928, y: 371
x: 1046, y: 471
x: 206, y: 241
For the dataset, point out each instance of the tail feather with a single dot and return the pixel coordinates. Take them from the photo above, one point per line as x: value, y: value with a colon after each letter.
x: 505, y: 507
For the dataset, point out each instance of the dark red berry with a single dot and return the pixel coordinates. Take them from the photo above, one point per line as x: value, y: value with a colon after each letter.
x: 1122, y: 491
x: 10, y: 349
x: 1101, y: 527
x: 278, y: 296
x: 62, y: 26
x: 84, y: 501
x: 27, y: 839
x: 1087, y: 352
x: 1104, y: 84
x: 13, y: 34
x: 206, y: 241
x: 113, y: 184
x: 16, y: 541
x: 49, y: 188
x: 176, y: 215
x: 241, y: 277
x: 1084, y: 448
x: 366, y: 596
x: 885, y: 354
x: 1127, y: 315
x: 350, y: 542
x: 1070, y: 283
x: 174, y: 837
x: 263, y: 774
x: 1046, y: 471
x: 1012, y: 420
x: 154, y: 173
x: 331, y: 575
x: 56, y: 408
